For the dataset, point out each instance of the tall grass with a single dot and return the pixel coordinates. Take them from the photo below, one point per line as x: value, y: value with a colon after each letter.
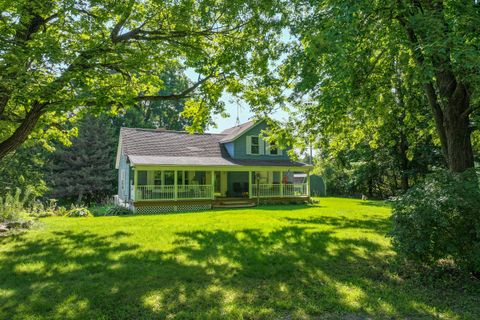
x: 17, y: 207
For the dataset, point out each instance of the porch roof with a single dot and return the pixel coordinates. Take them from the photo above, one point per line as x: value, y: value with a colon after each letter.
x: 209, y: 161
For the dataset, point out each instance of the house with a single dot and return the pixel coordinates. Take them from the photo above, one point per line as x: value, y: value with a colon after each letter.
x: 165, y: 171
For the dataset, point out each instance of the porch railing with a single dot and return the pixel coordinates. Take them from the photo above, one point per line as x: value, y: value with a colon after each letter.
x: 155, y: 192
x: 277, y: 190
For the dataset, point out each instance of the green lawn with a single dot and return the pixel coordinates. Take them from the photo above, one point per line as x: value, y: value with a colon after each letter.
x: 328, y: 261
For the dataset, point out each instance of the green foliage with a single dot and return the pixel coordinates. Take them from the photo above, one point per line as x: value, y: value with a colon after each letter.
x: 24, y: 169
x: 440, y: 219
x: 84, y: 171
x: 79, y: 211
x: 160, y: 114
x: 47, y: 209
x: 377, y: 172
x: 118, y: 211
x: 16, y: 208
x: 63, y: 58
x: 356, y: 72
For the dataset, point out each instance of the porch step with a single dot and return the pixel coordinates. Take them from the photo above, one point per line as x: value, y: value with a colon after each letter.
x: 236, y: 202
x: 234, y: 205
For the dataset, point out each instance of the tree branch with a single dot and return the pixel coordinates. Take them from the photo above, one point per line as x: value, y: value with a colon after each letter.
x: 182, y: 95
x: 470, y: 110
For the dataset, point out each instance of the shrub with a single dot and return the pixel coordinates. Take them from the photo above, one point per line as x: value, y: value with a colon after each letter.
x: 118, y: 211
x: 440, y: 219
x: 47, y: 209
x: 79, y: 211
x: 16, y: 209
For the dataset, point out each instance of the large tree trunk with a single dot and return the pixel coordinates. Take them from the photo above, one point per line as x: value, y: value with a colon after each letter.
x: 458, y: 131
x: 22, y: 132
x: 447, y: 94
x: 452, y: 121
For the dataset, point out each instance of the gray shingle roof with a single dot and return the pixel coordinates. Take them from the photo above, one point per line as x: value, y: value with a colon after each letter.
x: 151, y: 142
x: 234, y: 132
x: 162, y: 147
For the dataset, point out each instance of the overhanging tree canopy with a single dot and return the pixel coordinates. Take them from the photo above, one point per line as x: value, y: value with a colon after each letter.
x: 344, y: 52
x: 58, y: 58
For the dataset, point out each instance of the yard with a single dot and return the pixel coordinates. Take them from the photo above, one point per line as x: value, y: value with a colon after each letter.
x: 328, y: 261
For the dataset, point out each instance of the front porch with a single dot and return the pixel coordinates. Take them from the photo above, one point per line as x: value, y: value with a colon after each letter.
x: 161, y: 185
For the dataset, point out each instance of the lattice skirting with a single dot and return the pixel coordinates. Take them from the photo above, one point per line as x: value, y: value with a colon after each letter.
x: 172, y: 208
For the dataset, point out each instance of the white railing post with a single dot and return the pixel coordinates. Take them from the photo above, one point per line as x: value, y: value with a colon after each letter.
x: 281, y: 184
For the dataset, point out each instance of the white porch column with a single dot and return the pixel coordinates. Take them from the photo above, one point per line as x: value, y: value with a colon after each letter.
x: 135, y: 183
x: 249, y: 184
x: 175, y: 185
x: 212, y: 178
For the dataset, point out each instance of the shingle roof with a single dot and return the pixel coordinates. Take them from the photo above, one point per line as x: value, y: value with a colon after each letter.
x: 163, y: 147
x: 234, y: 132
x: 151, y: 142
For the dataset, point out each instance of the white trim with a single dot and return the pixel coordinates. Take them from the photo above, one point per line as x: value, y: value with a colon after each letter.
x: 119, y: 150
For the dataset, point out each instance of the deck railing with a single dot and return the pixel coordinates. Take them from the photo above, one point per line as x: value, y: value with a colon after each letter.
x: 195, y: 192
x: 277, y: 190
x: 155, y: 192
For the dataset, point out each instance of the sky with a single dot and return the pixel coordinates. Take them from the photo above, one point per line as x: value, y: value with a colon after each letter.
x: 231, y: 107
x: 244, y: 114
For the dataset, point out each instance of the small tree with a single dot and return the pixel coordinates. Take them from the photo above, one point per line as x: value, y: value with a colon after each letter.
x: 84, y: 171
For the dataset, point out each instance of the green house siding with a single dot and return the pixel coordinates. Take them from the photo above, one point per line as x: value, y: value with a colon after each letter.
x: 240, y: 146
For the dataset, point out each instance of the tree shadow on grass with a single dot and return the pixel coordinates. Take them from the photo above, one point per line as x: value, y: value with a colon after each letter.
x: 377, y: 203
x: 377, y: 224
x: 291, y: 272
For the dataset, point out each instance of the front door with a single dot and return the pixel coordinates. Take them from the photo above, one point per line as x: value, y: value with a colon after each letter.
x: 237, y: 184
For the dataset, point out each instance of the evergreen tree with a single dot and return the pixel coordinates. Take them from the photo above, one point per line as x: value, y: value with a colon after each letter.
x: 84, y: 171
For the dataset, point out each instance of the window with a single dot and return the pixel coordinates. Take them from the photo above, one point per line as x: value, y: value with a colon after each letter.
x: 276, y: 177
x: 181, y: 178
x: 122, y: 181
x: 169, y: 177
x: 142, y: 178
x: 273, y: 148
x: 157, y: 178
x: 255, y: 147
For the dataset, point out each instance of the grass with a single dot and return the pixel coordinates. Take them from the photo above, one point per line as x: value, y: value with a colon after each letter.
x: 328, y: 261
x: 99, y: 210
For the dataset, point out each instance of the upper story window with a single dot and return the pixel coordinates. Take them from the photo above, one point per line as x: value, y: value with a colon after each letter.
x: 255, y: 145
x: 273, y: 148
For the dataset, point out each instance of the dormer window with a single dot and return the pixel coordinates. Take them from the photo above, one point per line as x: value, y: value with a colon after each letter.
x: 273, y: 148
x: 255, y: 146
